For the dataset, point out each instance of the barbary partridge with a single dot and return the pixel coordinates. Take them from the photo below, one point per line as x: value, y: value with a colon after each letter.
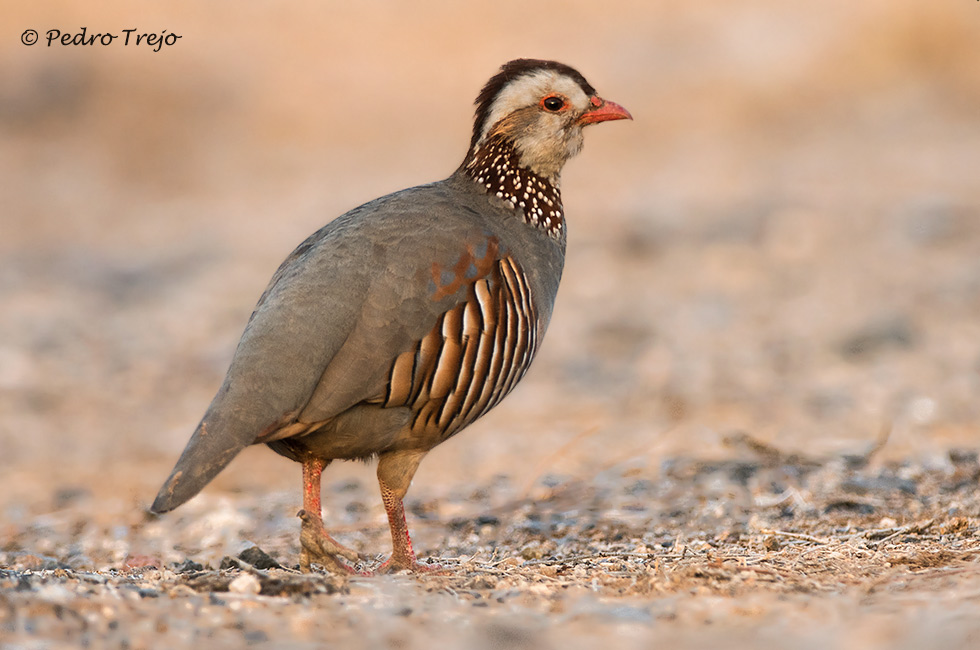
x: 399, y: 323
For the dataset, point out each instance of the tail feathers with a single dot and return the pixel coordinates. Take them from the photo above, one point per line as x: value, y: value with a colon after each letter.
x: 206, y: 454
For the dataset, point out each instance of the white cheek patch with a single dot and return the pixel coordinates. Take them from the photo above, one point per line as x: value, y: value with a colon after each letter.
x: 527, y: 90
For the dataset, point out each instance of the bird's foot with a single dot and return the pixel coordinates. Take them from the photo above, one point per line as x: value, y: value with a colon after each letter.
x: 320, y: 548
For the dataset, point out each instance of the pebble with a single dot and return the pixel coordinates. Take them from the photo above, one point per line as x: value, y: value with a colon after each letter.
x: 245, y: 584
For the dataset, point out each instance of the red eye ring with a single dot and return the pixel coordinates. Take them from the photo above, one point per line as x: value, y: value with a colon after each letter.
x: 554, y: 103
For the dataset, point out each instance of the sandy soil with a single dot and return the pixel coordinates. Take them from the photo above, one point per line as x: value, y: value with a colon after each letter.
x: 753, y: 422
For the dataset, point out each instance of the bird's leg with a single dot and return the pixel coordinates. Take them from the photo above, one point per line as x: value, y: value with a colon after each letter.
x: 395, y: 472
x: 316, y: 545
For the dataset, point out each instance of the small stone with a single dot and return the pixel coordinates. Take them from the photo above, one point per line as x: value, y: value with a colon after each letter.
x: 533, y: 552
x: 549, y: 570
x: 133, y: 562
x: 256, y: 636
x: 481, y: 582
x: 891, y: 333
x: 245, y: 584
x: 54, y: 593
x: 188, y: 566
x: 258, y: 558
x: 959, y: 456
x: 35, y: 563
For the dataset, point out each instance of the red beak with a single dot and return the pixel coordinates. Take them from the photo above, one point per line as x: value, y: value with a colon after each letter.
x: 604, y: 111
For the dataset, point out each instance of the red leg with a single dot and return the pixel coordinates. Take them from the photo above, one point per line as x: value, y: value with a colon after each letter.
x: 312, y: 471
x: 316, y: 545
x: 402, y: 555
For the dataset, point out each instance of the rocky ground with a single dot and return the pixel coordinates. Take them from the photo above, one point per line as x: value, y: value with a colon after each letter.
x: 761, y: 547
x: 753, y: 421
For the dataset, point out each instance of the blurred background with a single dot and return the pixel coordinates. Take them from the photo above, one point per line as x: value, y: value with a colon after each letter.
x: 784, y: 243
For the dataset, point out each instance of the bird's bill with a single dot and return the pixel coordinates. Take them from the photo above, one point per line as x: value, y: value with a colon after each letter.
x: 604, y: 111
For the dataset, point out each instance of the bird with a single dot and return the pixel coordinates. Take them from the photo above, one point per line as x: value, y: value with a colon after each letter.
x: 402, y: 321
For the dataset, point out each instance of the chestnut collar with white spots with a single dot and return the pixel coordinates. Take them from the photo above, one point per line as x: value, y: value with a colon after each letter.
x: 495, y: 166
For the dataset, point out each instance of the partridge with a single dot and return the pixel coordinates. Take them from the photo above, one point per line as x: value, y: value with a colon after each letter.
x: 401, y: 322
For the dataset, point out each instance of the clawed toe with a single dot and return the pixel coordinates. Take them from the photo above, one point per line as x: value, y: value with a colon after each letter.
x: 318, y: 547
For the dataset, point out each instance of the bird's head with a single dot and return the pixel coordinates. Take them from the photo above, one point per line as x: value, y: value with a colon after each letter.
x: 539, y: 107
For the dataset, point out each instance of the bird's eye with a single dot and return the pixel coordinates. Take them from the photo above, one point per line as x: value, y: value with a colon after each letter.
x: 553, y: 103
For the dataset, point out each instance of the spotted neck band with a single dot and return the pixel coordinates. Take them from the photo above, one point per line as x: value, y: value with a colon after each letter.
x: 495, y: 166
